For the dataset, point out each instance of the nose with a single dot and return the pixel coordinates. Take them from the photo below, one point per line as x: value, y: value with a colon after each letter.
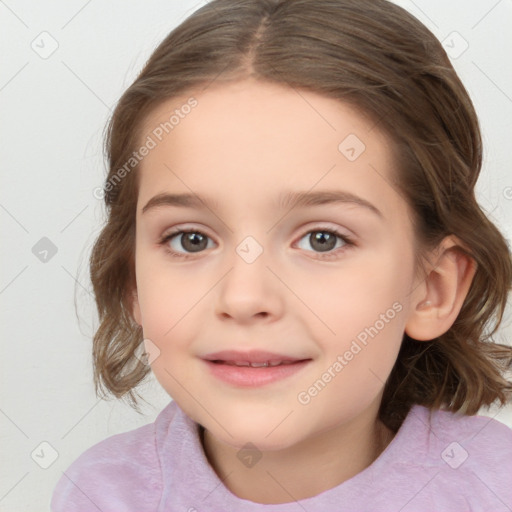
x: 249, y: 291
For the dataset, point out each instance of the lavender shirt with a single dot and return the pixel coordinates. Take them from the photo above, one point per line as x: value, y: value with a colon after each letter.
x: 448, y: 462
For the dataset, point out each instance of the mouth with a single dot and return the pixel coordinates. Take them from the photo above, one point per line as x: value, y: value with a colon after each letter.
x: 264, y: 364
x: 253, y: 358
x: 255, y: 368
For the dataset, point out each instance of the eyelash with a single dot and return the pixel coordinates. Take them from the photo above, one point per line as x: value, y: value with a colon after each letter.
x: 323, y: 256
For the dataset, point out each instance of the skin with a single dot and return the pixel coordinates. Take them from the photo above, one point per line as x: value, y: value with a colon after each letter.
x: 243, y: 144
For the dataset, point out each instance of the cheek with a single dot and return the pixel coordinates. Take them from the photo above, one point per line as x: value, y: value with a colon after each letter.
x: 379, y: 313
x: 354, y: 296
x: 365, y: 309
x: 164, y: 299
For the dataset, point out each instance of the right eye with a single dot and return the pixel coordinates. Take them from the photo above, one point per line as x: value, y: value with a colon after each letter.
x: 191, y: 240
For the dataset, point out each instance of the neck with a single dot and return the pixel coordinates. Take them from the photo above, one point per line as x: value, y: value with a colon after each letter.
x: 283, y: 476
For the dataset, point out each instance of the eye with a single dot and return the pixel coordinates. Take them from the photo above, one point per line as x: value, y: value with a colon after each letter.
x: 325, y: 241
x: 191, y: 240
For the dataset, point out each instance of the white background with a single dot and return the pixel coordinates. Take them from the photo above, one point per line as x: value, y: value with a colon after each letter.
x: 53, y: 112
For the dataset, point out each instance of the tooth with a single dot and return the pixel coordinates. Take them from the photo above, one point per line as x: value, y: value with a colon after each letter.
x: 257, y: 365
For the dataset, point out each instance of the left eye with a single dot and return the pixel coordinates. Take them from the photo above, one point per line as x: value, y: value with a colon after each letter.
x: 324, y: 240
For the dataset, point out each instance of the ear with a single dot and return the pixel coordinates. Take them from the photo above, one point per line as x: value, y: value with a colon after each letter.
x: 439, y: 297
x: 135, y: 307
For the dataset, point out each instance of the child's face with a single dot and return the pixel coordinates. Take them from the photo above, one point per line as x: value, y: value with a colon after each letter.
x: 244, y: 145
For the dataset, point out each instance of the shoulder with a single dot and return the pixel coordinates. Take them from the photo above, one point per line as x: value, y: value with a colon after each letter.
x: 467, y: 455
x: 118, y: 474
x: 475, y: 441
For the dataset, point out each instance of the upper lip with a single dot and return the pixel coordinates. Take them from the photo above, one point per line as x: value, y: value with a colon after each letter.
x: 252, y: 356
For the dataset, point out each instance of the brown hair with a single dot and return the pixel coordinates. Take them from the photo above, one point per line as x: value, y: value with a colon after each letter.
x: 377, y: 57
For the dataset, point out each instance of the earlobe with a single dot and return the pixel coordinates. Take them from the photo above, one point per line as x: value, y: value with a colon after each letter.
x: 440, y: 298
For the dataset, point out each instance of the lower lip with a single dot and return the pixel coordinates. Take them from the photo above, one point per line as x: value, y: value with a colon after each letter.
x: 246, y: 376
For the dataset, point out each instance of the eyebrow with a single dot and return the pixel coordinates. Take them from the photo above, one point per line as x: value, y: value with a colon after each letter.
x: 285, y: 200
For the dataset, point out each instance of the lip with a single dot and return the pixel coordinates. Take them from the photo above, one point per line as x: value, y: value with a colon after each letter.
x: 251, y: 377
x: 252, y: 356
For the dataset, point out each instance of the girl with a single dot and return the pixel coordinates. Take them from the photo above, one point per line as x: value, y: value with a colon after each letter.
x: 293, y: 236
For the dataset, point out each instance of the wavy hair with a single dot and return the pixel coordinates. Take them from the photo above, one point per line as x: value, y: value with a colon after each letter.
x: 375, y: 56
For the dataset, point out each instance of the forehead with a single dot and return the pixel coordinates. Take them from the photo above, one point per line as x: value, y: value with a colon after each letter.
x: 246, y: 142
